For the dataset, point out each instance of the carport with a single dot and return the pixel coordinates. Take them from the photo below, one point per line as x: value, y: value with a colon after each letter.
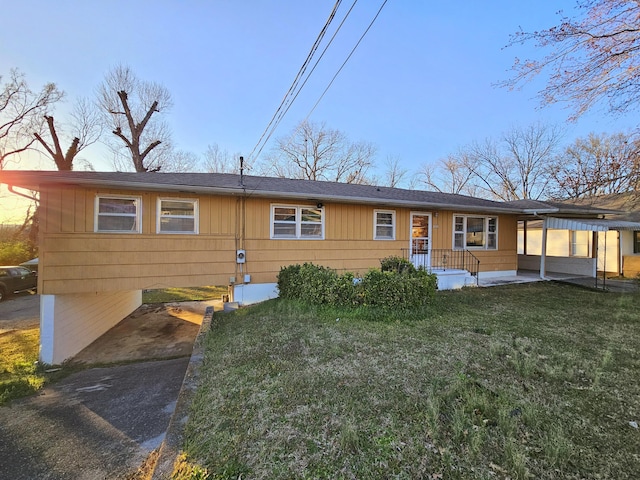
x: 582, y: 265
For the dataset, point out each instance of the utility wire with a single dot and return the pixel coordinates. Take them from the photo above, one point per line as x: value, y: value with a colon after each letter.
x: 299, y: 89
x: 346, y: 60
x: 293, y: 86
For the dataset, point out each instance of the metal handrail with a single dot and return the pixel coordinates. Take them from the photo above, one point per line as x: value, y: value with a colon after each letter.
x: 446, y: 259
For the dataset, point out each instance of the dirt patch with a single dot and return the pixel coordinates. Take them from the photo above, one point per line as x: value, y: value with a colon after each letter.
x: 153, y: 331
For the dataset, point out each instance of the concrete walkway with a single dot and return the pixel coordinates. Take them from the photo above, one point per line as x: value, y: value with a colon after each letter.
x: 528, y: 276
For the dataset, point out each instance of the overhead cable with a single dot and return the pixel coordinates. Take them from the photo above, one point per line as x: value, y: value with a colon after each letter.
x: 293, y: 86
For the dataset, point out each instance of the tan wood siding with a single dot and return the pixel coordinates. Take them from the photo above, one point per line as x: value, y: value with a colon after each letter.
x: 631, y: 265
x: 77, y: 260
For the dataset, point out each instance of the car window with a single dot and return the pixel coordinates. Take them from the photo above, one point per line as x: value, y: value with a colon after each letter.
x: 23, y: 271
x: 4, y: 272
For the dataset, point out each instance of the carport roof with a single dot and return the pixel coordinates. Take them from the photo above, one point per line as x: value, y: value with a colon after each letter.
x: 592, y: 225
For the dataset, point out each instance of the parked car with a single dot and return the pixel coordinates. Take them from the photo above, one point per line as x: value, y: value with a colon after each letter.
x: 16, y: 279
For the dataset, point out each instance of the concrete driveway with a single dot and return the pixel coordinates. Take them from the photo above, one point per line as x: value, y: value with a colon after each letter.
x: 100, y: 423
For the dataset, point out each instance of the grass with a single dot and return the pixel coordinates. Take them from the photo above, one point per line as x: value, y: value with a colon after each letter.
x: 166, y: 295
x: 522, y: 381
x: 21, y: 374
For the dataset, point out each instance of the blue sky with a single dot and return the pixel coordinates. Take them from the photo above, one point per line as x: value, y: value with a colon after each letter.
x: 420, y: 85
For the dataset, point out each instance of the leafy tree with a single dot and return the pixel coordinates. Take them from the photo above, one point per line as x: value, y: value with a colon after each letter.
x: 21, y: 113
x: 314, y: 152
x: 131, y: 108
x: 592, y: 57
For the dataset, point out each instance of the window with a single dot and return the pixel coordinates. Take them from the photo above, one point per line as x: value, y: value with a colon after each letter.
x: 117, y: 214
x: 475, y: 232
x: 384, y: 225
x: 177, y: 215
x: 579, y: 244
x: 636, y: 242
x: 297, y: 222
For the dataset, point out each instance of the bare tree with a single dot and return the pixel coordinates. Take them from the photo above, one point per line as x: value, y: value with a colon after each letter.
x: 597, y: 165
x: 394, y: 174
x: 183, y: 161
x: 517, y: 167
x: 21, y: 113
x: 449, y: 175
x: 85, y: 129
x: 221, y: 161
x: 592, y: 57
x: 131, y: 108
x: 314, y: 152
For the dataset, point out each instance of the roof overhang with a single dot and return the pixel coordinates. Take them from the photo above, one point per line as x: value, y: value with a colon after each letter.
x: 592, y: 225
x: 44, y: 179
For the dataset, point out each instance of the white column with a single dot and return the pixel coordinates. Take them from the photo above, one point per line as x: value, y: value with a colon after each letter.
x: 543, y: 254
x: 47, y: 309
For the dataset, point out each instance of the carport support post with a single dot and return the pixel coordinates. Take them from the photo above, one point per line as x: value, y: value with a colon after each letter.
x: 543, y: 254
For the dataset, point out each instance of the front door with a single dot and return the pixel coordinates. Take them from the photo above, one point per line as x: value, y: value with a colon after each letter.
x: 420, y: 252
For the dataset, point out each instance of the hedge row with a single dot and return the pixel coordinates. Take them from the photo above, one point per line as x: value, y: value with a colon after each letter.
x: 398, y: 284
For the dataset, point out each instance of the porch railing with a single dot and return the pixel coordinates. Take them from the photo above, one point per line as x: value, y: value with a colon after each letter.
x: 445, y: 259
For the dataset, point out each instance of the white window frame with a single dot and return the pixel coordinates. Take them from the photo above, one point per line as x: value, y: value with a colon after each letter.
x: 376, y: 225
x: 576, y: 243
x: 160, y: 216
x: 487, y: 233
x: 298, y: 222
x: 137, y: 215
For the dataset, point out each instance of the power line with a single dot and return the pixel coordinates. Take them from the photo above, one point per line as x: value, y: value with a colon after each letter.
x: 293, y: 86
x: 290, y: 97
x: 317, y: 62
x: 347, y: 59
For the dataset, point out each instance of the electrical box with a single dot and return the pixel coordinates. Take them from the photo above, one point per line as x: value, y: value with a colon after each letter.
x: 247, y: 278
x: 241, y: 256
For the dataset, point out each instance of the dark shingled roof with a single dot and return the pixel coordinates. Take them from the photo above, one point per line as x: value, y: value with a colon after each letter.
x: 281, y: 188
x: 540, y: 207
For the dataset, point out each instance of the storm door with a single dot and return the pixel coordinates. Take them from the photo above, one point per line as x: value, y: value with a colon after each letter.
x: 420, y: 252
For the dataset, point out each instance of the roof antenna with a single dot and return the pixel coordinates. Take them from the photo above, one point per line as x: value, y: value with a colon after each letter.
x: 242, y: 171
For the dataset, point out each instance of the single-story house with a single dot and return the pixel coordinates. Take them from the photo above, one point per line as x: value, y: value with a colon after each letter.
x: 106, y: 236
x: 580, y: 238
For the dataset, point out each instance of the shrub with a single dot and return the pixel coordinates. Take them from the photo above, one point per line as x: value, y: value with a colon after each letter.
x: 14, y: 252
x: 396, y: 264
x: 316, y: 284
x: 400, y: 286
x: 392, y: 289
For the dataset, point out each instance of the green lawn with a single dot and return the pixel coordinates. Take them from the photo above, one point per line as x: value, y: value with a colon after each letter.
x: 525, y: 381
x: 184, y: 294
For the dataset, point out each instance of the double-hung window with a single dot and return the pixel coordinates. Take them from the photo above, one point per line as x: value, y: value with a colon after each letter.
x: 384, y: 225
x: 579, y: 243
x: 297, y: 222
x: 470, y: 231
x: 636, y: 242
x: 117, y: 214
x: 177, y: 215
